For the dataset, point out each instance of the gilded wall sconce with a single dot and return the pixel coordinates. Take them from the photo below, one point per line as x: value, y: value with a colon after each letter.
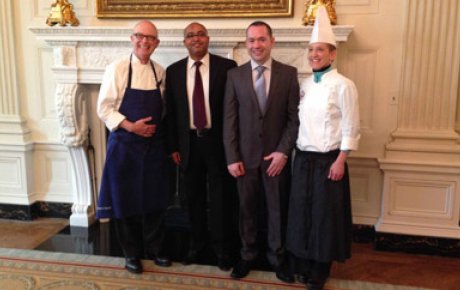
x: 311, y: 6
x: 62, y: 13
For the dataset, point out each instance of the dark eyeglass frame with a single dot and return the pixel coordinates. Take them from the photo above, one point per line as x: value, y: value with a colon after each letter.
x: 140, y: 36
x: 198, y: 34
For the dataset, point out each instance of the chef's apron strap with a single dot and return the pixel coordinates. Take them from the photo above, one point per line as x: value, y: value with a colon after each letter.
x: 158, y: 82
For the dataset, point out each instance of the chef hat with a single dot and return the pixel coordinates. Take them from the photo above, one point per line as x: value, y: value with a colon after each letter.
x: 322, y: 30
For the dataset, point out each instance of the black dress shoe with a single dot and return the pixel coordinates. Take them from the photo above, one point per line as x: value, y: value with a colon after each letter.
x: 241, y: 269
x: 133, y: 265
x: 190, y: 258
x: 284, y: 276
x: 302, y: 278
x: 161, y: 261
x: 224, y: 263
x: 315, y: 284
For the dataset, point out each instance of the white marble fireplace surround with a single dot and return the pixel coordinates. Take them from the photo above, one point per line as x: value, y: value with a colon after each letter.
x: 80, y: 56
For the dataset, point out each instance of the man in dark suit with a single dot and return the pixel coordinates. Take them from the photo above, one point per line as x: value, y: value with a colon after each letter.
x: 195, y: 88
x: 260, y: 130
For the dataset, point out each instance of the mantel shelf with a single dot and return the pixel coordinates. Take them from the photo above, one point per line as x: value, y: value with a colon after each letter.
x: 120, y: 34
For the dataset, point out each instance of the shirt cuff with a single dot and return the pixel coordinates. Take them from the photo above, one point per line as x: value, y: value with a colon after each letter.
x: 349, y: 143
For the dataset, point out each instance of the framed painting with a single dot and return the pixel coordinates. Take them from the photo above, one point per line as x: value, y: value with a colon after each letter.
x: 192, y: 8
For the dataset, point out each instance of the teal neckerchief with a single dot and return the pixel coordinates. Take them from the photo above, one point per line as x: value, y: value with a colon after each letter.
x: 317, y: 75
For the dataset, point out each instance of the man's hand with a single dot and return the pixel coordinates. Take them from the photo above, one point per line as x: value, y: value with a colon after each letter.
x: 140, y: 127
x: 278, y: 161
x: 175, y: 156
x: 236, y: 169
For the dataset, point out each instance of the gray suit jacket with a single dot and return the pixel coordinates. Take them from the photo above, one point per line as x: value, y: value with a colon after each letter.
x: 249, y: 135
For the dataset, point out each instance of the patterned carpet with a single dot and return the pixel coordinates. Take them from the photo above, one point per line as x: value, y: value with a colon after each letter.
x: 30, y: 269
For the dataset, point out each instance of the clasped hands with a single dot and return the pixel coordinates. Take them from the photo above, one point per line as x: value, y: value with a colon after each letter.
x: 140, y: 127
x: 278, y: 161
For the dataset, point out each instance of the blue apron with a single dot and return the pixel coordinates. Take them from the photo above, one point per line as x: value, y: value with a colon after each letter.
x: 134, y: 181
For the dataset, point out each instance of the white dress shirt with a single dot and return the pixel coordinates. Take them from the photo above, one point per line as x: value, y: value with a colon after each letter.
x: 114, y: 84
x: 328, y: 114
x: 204, y: 71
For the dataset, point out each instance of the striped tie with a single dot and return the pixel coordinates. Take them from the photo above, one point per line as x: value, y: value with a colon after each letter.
x: 260, y: 88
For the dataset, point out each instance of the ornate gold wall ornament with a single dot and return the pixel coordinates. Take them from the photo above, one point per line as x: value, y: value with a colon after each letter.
x: 192, y: 8
x: 62, y: 13
x: 311, y: 6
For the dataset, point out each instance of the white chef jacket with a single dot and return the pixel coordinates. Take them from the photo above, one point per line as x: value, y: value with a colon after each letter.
x: 114, y: 84
x: 328, y: 114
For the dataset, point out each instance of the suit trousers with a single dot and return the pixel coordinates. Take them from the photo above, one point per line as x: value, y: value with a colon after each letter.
x: 211, y: 196
x: 256, y: 188
x: 141, y: 236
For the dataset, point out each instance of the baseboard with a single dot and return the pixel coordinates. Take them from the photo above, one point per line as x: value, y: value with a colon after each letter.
x: 35, y: 210
x: 417, y: 244
x: 363, y: 233
x: 421, y: 245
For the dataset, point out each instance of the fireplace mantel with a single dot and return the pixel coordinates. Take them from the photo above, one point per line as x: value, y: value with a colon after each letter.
x: 121, y: 34
x: 80, y: 55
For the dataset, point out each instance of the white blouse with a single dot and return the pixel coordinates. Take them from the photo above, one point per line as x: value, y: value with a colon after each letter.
x: 328, y: 114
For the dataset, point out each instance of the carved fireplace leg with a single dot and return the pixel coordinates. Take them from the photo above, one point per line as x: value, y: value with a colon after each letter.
x: 72, y: 114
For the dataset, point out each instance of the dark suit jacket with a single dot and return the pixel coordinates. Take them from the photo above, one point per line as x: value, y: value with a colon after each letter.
x: 249, y: 135
x: 177, y: 104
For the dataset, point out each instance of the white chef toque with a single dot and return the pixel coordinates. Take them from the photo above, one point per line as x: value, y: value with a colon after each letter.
x: 322, y: 30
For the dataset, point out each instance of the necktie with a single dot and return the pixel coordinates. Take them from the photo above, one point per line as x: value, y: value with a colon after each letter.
x: 199, y: 112
x: 260, y: 88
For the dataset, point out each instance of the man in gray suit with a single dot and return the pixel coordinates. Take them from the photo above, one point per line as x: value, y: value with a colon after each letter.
x: 260, y: 130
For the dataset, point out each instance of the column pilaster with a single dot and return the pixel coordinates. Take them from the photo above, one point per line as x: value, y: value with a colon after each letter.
x: 15, y: 137
x: 13, y: 130
x: 421, y: 193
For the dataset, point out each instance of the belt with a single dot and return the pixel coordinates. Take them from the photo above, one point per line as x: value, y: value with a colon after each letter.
x: 200, y: 133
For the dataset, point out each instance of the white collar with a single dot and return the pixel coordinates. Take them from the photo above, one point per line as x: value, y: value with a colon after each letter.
x: 205, y: 61
x: 267, y: 64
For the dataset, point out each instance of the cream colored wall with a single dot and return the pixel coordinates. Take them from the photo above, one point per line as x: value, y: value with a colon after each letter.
x: 372, y: 57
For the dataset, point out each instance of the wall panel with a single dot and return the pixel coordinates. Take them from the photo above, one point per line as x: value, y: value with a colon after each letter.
x: 54, y: 180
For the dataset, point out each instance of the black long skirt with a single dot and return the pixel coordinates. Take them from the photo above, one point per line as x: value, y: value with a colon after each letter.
x: 319, y: 217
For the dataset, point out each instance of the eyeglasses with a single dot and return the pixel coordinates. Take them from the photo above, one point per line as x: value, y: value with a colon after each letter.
x: 140, y: 36
x: 198, y: 34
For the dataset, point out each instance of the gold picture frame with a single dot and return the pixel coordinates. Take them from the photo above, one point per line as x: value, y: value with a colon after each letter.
x: 193, y: 8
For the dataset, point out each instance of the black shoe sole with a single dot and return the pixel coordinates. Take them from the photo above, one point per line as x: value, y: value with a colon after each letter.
x: 163, y: 264
x: 134, y: 271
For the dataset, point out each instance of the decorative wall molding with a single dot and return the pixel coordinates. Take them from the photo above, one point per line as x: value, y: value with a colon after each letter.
x: 16, y: 181
x: 366, y: 185
x: 53, y: 173
x: 357, y: 7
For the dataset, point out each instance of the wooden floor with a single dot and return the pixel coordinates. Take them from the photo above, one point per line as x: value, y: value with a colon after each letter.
x: 29, y: 234
x: 366, y: 264
x: 432, y: 272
